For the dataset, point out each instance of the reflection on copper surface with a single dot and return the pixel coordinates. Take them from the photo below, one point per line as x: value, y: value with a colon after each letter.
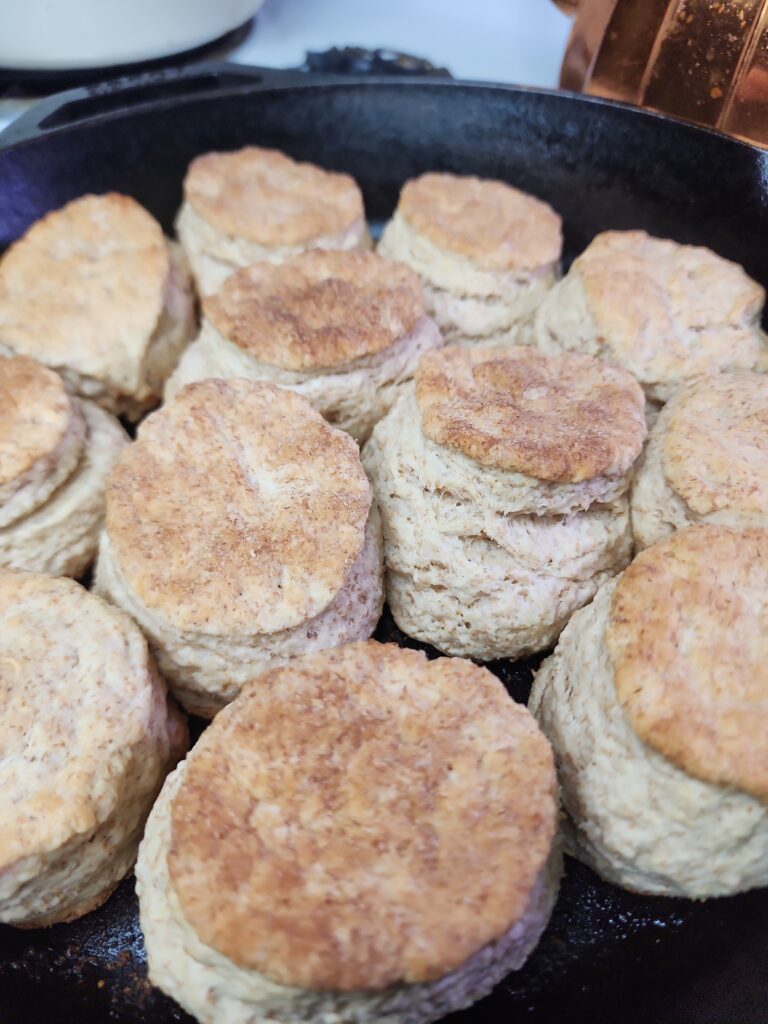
x: 697, y: 55
x: 746, y: 111
x: 704, y: 60
x: 627, y: 49
x: 586, y: 35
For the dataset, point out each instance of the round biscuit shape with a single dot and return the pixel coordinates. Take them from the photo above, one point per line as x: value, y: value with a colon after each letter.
x: 485, y: 563
x: 206, y: 671
x: 264, y: 196
x: 631, y: 814
x: 706, y: 459
x: 59, y: 531
x: 42, y: 433
x: 715, y: 449
x: 369, y: 818
x: 352, y: 397
x: 84, y: 290
x: 565, y: 418
x: 256, y: 504
x: 470, y: 304
x: 688, y: 642
x: 86, y: 738
x: 663, y: 311
x: 211, y: 987
x: 321, y: 309
x: 494, y: 225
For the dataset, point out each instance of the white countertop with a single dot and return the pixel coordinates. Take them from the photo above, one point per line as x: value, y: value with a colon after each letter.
x: 518, y: 41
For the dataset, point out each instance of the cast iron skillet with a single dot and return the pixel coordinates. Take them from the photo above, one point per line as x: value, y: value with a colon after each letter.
x: 608, y: 957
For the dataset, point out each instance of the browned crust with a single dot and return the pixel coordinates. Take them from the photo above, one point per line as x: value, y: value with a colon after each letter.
x: 715, y: 450
x: 36, y: 415
x: 564, y: 418
x: 238, y: 510
x: 75, y: 679
x: 688, y: 640
x: 363, y: 817
x: 264, y: 196
x: 84, y: 287
x: 674, y: 311
x: 492, y: 224
x: 321, y: 309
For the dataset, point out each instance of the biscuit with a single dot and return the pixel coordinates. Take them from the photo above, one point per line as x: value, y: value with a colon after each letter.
x: 254, y: 205
x: 655, y: 703
x: 87, y: 736
x: 486, y: 252
x: 56, y: 452
x: 502, y: 481
x: 362, y: 835
x: 343, y: 329
x: 707, y: 459
x: 564, y: 420
x: 664, y: 312
x: 240, y: 532
x: 95, y: 291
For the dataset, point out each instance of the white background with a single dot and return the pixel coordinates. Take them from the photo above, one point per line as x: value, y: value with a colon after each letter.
x: 518, y: 41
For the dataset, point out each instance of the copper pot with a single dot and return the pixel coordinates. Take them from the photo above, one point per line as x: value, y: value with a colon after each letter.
x: 702, y: 60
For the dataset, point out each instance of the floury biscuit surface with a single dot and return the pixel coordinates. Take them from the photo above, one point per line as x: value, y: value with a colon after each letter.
x: 86, y: 738
x: 256, y: 204
x: 343, y: 329
x: 502, y: 480
x: 95, y: 291
x: 706, y: 460
x: 565, y: 420
x: 665, y: 312
x: 334, y: 895
x: 654, y: 702
x: 56, y: 452
x: 42, y: 435
x: 486, y: 252
x: 240, y: 532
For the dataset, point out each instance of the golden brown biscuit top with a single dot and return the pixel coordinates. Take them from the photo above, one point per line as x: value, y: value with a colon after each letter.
x: 666, y: 310
x: 76, y: 694
x: 322, y: 309
x: 715, y: 449
x: 688, y: 639
x: 84, y: 288
x: 565, y: 418
x: 361, y: 818
x: 264, y: 196
x: 490, y: 223
x: 238, y: 510
x: 37, y: 417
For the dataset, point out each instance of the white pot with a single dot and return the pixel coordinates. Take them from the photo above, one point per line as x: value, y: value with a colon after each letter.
x: 51, y: 35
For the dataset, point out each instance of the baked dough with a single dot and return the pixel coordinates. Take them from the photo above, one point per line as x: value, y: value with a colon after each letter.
x: 655, y: 703
x: 363, y: 835
x: 240, y: 531
x: 343, y: 329
x: 486, y: 252
x: 86, y: 738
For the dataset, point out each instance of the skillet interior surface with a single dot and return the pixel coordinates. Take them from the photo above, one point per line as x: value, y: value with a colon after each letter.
x: 607, y: 956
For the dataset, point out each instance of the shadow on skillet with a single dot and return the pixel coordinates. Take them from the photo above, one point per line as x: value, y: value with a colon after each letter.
x: 607, y: 957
